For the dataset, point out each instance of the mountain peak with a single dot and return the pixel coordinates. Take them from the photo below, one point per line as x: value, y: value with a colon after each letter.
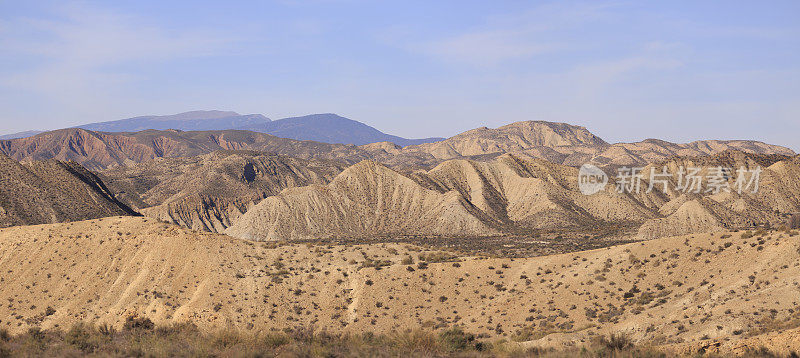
x: 330, y: 128
x: 514, y: 137
x: 194, y: 115
x: 186, y: 121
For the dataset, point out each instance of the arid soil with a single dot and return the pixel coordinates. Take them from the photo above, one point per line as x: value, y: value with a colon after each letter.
x: 51, y: 192
x: 722, y: 291
x: 209, y: 192
x: 511, y: 195
x: 556, y: 142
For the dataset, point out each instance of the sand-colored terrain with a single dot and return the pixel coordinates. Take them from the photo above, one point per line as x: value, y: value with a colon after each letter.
x: 365, y: 199
x: 712, y: 292
x: 556, y: 142
x: 52, y: 191
x: 511, y: 195
x: 208, y: 192
x: 100, y: 150
x: 570, y: 145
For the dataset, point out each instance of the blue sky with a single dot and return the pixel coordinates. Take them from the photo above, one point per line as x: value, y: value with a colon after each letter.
x: 627, y: 70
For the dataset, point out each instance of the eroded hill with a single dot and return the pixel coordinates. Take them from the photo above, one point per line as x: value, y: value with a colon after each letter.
x: 100, y: 150
x: 569, y: 145
x: 51, y: 192
x: 208, y: 192
x: 555, y: 142
x: 697, y: 293
x: 366, y: 199
x: 511, y: 195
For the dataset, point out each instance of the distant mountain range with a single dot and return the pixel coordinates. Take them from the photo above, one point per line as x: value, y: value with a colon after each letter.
x: 330, y: 128
x: 556, y: 142
x: 487, y: 181
x: 100, y: 150
x: 24, y: 134
x: 187, y: 121
x: 327, y: 127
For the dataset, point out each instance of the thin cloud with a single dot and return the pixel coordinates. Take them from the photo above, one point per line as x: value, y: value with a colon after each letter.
x: 514, y: 37
x: 489, y: 47
x: 79, y: 53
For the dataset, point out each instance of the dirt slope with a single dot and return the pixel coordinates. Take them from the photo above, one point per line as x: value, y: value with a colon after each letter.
x: 556, y: 142
x: 531, y: 193
x: 565, y: 144
x: 511, y: 195
x: 51, y: 192
x: 683, y: 213
x: 99, y: 150
x: 210, y: 191
x: 697, y: 292
x: 510, y: 138
x: 367, y: 199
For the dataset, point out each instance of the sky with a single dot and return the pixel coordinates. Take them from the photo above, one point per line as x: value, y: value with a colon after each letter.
x: 626, y: 70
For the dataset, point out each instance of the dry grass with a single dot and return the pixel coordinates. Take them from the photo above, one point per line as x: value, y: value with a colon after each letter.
x: 140, y: 338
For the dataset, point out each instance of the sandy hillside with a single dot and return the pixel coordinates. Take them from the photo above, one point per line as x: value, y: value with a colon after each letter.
x: 51, y: 192
x: 101, y: 150
x: 366, y: 199
x: 698, y: 292
x: 556, y: 142
x: 511, y: 195
x: 565, y: 144
x: 208, y: 192
x: 510, y: 138
x: 684, y: 213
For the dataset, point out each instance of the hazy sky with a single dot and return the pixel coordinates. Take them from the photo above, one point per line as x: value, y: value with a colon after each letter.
x: 627, y: 70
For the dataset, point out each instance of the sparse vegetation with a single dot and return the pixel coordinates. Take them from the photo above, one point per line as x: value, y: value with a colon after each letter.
x: 188, y: 340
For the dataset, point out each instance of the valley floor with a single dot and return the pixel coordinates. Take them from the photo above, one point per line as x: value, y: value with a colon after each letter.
x: 716, y: 293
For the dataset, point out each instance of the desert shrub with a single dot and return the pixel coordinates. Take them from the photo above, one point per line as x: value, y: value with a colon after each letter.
x: 275, y: 340
x: 136, y: 323
x: 187, y: 340
x: 106, y: 329
x: 83, y: 338
x: 421, y: 342
x: 616, y: 342
x: 36, y: 334
x: 49, y: 311
x: 377, y: 264
x: 455, y: 339
x: 438, y: 256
